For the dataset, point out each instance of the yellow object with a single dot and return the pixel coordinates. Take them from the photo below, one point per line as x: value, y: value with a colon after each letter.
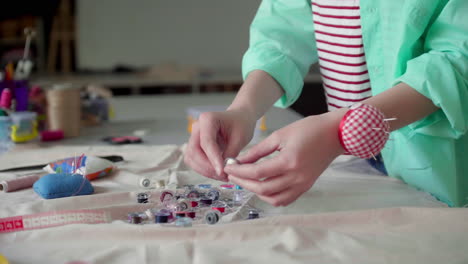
x: 111, y: 112
x: 20, y: 137
x: 3, y: 260
x: 191, y: 121
x: 263, y: 126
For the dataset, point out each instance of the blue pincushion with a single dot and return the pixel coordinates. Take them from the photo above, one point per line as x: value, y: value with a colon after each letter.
x: 57, y: 185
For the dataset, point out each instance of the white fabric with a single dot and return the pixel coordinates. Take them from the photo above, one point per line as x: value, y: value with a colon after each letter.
x: 352, y: 215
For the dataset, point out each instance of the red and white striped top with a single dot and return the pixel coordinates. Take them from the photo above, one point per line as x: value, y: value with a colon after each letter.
x: 341, y: 52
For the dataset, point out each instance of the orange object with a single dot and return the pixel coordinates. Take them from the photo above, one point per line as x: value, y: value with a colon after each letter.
x: 9, y: 72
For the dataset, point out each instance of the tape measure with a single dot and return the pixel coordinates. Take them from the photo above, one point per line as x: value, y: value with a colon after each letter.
x: 52, y: 219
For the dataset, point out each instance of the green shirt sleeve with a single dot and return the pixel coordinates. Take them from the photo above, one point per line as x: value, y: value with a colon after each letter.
x: 282, y: 43
x: 441, y: 73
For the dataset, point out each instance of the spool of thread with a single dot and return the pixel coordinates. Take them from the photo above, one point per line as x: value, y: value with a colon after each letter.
x: 219, y: 206
x: 145, y: 182
x: 142, y: 198
x: 168, y: 212
x: 213, y: 194
x: 19, y: 183
x: 253, y: 214
x: 212, y: 217
x: 52, y: 135
x: 166, y: 196
x: 204, y: 186
x: 206, y: 201
x: 227, y: 186
x: 64, y: 110
x: 193, y: 203
x: 193, y: 194
x: 135, y: 218
x: 161, y: 218
x: 221, y: 209
x: 191, y: 214
x: 180, y: 214
x: 183, y: 204
x: 5, y: 99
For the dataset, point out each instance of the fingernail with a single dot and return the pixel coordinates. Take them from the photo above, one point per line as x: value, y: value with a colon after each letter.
x: 219, y: 171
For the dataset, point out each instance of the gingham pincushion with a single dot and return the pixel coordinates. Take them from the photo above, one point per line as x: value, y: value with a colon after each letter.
x: 363, y: 131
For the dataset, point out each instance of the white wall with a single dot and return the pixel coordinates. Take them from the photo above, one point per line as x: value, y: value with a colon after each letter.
x: 212, y: 33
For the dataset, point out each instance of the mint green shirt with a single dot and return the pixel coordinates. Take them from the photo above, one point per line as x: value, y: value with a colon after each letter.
x: 423, y: 43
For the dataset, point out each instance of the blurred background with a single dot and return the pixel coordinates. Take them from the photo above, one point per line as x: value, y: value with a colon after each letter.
x: 139, y: 47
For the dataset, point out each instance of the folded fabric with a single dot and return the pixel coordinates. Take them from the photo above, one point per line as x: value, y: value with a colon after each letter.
x: 57, y: 185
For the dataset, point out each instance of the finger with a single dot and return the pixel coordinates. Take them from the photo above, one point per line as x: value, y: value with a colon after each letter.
x: 208, y: 138
x: 262, y: 149
x: 233, y: 148
x: 196, y: 158
x: 260, y: 170
x: 267, y: 187
x: 200, y: 164
x: 284, y: 198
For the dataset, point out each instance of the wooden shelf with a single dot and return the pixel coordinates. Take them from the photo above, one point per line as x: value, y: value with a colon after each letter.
x: 12, y: 41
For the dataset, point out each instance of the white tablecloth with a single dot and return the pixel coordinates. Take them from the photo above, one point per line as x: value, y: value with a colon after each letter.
x: 353, y: 214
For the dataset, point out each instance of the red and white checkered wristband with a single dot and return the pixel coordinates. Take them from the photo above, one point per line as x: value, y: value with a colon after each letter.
x: 363, y: 131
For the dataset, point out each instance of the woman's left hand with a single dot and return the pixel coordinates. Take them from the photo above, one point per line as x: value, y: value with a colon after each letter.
x: 306, y: 148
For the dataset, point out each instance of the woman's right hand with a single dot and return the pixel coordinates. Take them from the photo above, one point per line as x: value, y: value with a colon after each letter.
x: 216, y: 136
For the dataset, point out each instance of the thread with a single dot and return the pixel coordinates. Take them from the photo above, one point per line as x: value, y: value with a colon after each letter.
x: 167, y: 212
x: 51, y: 135
x: 221, y: 209
x: 212, y: 217
x: 19, y: 183
x: 161, y: 218
x: 213, y: 194
x: 142, y: 198
x: 166, y: 196
x: 253, y: 214
x: 193, y: 194
x: 191, y: 214
x: 193, y: 203
x: 145, y: 182
x: 227, y: 186
x: 5, y: 99
x: 135, y: 218
x: 64, y: 110
x: 204, y: 186
x: 180, y: 214
x: 206, y: 201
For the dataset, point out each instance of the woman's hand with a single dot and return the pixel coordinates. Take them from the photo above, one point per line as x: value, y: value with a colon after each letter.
x: 305, y: 147
x: 215, y: 136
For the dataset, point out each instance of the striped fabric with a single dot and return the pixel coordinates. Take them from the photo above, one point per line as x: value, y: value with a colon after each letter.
x: 341, y: 53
